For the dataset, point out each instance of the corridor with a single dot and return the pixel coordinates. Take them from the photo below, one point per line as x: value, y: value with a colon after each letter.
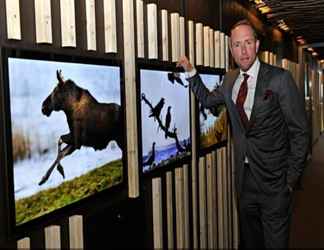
x: 308, y: 219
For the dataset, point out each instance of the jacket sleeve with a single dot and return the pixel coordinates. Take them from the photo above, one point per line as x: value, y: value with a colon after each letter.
x: 207, y: 98
x: 293, y: 108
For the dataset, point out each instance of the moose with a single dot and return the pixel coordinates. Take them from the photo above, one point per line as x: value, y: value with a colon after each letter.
x: 91, y: 123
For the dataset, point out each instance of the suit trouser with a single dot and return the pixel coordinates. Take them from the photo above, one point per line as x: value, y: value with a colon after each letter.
x: 264, y: 219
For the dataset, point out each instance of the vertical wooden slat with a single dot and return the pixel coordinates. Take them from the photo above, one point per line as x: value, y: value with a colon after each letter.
x: 206, y: 46
x: 165, y: 35
x: 157, y: 213
x: 175, y: 36
x: 225, y: 202
x: 110, y: 26
x: 169, y: 205
x: 68, y: 33
x: 222, y: 49
x: 23, y: 244
x: 191, y: 38
x: 186, y: 206
x: 53, y: 237
x: 179, y: 208
x: 226, y: 53
x: 211, y: 202
x: 130, y: 94
x: 211, y: 48
x: 43, y: 21
x: 182, y: 36
x: 217, y: 49
x: 13, y: 19
x: 202, y: 203
x: 76, y: 232
x: 194, y: 196
x: 220, y: 199
x: 152, y: 31
x: 214, y: 199
x: 91, y: 24
x: 140, y: 28
x: 199, y: 44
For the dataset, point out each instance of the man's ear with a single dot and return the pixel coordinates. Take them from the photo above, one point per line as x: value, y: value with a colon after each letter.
x: 257, y: 44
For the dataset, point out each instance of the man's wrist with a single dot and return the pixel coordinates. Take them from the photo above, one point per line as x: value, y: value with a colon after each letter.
x: 191, y: 73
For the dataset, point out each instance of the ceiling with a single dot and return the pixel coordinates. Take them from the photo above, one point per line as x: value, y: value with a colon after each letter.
x: 302, y: 18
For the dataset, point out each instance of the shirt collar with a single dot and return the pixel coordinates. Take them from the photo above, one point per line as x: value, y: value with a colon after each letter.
x: 253, y: 70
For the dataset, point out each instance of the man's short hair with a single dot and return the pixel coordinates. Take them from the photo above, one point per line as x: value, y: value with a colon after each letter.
x: 244, y: 22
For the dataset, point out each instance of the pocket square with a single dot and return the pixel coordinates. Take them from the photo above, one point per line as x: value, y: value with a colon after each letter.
x: 268, y: 93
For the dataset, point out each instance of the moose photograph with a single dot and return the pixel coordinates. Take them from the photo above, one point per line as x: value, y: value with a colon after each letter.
x: 66, y: 131
x: 165, y: 118
x: 213, y: 123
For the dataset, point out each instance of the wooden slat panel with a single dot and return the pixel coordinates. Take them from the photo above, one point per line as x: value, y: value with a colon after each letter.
x: 175, y: 36
x: 211, y: 48
x: 230, y: 191
x: 157, y: 213
x: 152, y: 31
x: 13, y: 19
x: 206, y: 46
x: 169, y: 205
x: 165, y: 35
x: 222, y: 49
x: 199, y: 44
x: 91, y: 24
x: 110, y: 26
x: 202, y: 204
x: 53, y: 237
x: 76, y: 232
x: 191, y: 37
x: 225, y: 202
x: 217, y: 49
x: 211, y: 202
x: 130, y: 96
x: 220, y: 200
x: 194, y: 203
x: 140, y: 28
x: 186, y: 206
x: 68, y: 29
x: 226, y: 53
x: 43, y: 21
x: 182, y: 36
x: 179, y: 208
x: 23, y: 244
x: 214, y: 199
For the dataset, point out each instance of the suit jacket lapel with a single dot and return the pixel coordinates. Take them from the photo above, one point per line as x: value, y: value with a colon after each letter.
x: 261, y: 80
x: 231, y: 105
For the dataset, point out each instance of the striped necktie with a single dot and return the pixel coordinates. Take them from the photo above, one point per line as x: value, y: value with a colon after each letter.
x: 241, y: 99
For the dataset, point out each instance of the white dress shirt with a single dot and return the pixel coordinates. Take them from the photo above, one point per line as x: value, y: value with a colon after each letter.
x: 251, y: 82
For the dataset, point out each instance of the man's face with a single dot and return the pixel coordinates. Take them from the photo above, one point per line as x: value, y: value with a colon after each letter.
x: 244, y: 46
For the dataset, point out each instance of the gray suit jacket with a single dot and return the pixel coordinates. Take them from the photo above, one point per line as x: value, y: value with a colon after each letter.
x: 276, y: 139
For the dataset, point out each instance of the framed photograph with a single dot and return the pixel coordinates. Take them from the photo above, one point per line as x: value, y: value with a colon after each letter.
x: 165, y: 116
x: 212, y: 122
x: 64, y: 132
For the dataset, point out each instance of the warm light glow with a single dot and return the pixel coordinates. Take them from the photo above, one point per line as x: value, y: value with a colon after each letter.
x: 265, y: 9
x: 310, y: 49
x: 314, y: 54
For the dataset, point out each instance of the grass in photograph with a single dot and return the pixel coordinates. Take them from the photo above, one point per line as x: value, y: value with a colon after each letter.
x: 68, y: 192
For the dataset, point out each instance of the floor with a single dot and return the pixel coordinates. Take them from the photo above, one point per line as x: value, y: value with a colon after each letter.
x: 307, y: 229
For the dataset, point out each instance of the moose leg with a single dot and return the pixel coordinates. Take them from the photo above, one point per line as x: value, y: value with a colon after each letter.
x: 61, y: 154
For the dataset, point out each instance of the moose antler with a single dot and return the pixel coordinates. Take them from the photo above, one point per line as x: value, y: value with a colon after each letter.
x: 59, y: 76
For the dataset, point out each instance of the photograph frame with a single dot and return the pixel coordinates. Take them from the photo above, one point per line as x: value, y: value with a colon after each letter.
x: 142, y: 64
x: 204, y: 150
x: 105, y: 197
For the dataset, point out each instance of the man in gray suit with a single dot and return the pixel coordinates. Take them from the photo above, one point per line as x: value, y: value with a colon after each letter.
x: 270, y: 134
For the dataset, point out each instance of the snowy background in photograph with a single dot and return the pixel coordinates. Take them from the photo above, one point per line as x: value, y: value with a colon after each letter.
x: 31, y: 81
x: 155, y: 85
x: 210, y: 82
